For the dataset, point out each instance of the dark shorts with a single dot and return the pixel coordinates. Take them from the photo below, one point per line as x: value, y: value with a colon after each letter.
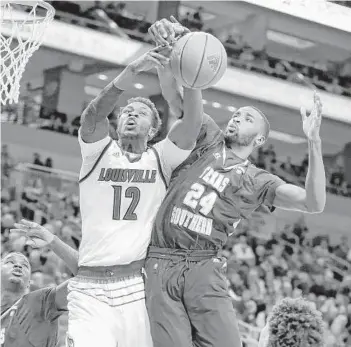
x: 187, y: 300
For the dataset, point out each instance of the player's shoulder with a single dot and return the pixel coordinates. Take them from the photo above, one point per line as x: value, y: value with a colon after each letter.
x: 256, y: 172
x: 39, y: 294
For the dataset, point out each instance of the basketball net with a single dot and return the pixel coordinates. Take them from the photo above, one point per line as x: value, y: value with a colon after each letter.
x: 22, y: 24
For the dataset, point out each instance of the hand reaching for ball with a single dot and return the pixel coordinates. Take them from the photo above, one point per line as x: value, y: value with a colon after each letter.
x: 36, y: 235
x: 164, y: 32
x: 157, y: 57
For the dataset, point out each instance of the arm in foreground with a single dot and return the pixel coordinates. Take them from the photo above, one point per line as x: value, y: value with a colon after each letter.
x: 39, y: 237
x: 311, y: 199
x: 185, y: 104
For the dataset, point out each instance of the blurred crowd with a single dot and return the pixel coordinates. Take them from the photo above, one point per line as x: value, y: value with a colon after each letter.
x: 260, y: 270
x: 290, y: 264
x: 115, y: 18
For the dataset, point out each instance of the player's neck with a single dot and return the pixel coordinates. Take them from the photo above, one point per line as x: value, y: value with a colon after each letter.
x: 9, y: 298
x: 242, y: 152
x: 136, y: 145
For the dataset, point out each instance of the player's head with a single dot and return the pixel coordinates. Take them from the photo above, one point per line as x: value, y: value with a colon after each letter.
x: 139, y: 119
x: 15, y: 272
x: 293, y: 323
x: 247, y: 127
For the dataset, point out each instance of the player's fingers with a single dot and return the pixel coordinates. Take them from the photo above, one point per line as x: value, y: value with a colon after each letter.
x: 166, y: 29
x: 179, y: 29
x: 18, y: 231
x: 20, y: 226
x: 29, y: 223
x: 303, y: 112
x: 161, y: 58
x: 162, y: 49
x: 155, y: 61
x: 174, y: 20
x: 156, y: 35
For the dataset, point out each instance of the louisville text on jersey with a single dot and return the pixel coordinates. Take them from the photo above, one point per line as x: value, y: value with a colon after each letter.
x: 128, y: 175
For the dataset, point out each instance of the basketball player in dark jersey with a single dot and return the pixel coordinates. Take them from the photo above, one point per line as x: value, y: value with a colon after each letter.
x: 28, y: 319
x: 215, y: 188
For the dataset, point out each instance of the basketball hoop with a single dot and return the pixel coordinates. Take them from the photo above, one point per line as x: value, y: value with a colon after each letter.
x: 22, y: 25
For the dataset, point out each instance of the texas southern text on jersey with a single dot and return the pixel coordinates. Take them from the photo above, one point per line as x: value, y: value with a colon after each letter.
x: 209, y: 194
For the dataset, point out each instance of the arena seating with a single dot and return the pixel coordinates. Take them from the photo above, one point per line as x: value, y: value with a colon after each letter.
x: 240, y: 54
x: 260, y: 271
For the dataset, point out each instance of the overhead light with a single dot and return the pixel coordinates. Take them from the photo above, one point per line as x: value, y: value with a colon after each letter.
x: 102, y: 77
x: 280, y: 136
x: 93, y: 91
x: 231, y: 108
x: 204, y: 101
x: 289, y: 40
x: 139, y: 86
x: 216, y: 105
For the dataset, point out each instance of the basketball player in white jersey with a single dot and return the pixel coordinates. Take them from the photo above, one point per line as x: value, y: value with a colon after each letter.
x: 122, y: 184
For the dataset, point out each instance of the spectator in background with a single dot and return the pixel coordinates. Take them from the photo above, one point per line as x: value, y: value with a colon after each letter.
x: 337, y: 177
x: 186, y: 20
x: 343, y: 248
x: 60, y: 124
x: 243, y: 252
x: 197, y: 20
x: 260, y: 163
x: 304, y: 166
x: 288, y: 166
x: 7, y: 162
x: 270, y: 152
x: 334, y: 86
x: 48, y: 162
x: 37, y: 159
x: 75, y: 125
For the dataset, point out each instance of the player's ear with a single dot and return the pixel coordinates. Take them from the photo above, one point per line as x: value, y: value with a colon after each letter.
x: 260, y: 140
x: 152, y: 133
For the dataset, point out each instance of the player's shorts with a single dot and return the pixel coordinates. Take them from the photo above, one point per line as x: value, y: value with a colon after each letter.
x: 187, y: 299
x: 107, y: 308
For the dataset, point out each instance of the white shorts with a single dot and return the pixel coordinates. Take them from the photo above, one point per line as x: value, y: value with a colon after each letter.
x: 107, y: 308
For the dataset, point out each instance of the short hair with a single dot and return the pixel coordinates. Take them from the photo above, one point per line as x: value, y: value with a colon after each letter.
x: 11, y: 253
x: 295, y: 323
x: 267, y: 126
x: 156, y: 122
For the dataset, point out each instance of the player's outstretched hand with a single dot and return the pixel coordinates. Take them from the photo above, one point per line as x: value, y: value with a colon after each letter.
x: 157, y: 57
x: 36, y: 235
x: 311, y: 124
x: 164, y: 32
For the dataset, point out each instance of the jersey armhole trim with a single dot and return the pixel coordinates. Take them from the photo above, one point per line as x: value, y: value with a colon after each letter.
x: 96, y: 162
x: 160, y: 167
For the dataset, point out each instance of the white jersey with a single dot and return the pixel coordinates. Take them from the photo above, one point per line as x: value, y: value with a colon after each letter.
x: 119, y: 199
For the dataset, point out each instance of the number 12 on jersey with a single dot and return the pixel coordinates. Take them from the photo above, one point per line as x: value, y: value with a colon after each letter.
x: 132, y: 193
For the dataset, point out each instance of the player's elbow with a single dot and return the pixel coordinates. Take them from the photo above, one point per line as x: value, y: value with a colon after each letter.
x: 315, y: 208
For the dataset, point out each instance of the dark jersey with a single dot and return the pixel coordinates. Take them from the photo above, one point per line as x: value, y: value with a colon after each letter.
x: 209, y: 194
x: 32, y: 322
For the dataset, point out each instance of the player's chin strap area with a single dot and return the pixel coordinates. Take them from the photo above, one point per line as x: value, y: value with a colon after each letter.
x: 178, y: 256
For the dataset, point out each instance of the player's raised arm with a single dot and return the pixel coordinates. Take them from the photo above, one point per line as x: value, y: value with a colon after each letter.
x: 312, y: 198
x: 94, y: 122
x: 184, y: 103
x: 39, y: 237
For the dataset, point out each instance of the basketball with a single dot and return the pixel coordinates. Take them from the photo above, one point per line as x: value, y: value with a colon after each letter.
x: 198, y: 60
